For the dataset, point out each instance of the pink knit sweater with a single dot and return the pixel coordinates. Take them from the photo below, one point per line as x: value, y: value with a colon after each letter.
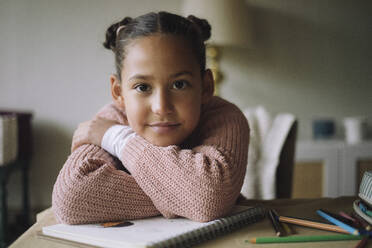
x: 200, y: 179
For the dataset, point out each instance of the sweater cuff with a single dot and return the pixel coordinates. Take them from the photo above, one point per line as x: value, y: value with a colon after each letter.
x: 115, y: 139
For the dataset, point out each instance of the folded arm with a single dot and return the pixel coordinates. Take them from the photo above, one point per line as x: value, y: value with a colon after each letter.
x: 93, y: 187
x: 201, y: 183
x: 199, y: 180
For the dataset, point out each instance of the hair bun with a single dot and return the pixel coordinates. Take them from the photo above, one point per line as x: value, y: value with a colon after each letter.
x: 202, y: 25
x: 111, y: 33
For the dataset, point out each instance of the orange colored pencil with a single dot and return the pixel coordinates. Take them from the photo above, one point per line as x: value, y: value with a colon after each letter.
x: 312, y: 224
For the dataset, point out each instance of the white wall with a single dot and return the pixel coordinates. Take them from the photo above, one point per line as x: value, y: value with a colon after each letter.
x: 311, y: 58
x: 53, y: 63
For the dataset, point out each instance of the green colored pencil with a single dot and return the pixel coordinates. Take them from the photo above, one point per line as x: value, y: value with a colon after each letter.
x: 308, y: 238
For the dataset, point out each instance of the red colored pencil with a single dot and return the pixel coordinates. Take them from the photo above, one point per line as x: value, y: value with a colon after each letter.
x: 362, y: 243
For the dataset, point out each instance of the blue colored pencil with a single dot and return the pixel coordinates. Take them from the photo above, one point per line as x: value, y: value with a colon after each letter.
x: 344, y: 226
x: 340, y: 218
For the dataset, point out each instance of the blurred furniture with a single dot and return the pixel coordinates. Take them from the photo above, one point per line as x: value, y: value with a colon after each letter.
x: 227, y: 17
x: 21, y: 162
x: 304, y: 208
x: 330, y: 168
x: 285, y: 169
x: 271, y: 152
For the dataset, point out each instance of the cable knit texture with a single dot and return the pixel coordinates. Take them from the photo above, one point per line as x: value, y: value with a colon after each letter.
x: 199, y: 179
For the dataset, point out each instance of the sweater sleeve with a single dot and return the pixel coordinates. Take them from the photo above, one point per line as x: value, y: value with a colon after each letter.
x: 92, y: 187
x: 201, y: 183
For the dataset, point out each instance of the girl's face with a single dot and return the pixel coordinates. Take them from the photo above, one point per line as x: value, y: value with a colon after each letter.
x: 162, y: 89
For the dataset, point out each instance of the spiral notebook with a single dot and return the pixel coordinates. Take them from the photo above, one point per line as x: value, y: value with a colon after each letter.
x: 156, y: 231
x: 365, y: 195
x: 365, y: 188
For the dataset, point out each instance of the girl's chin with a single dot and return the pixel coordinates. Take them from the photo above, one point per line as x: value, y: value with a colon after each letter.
x: 161, y: 142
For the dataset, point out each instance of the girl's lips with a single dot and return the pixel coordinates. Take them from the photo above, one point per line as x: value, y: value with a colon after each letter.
x: 164, y: 127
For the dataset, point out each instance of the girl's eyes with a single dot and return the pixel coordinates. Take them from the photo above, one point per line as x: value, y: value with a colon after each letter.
x: 177, y: 85
x: 180, y: 84
x: 142, y: 88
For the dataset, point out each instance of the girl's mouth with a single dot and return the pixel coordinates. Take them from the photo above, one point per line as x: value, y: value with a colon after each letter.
x: 164, y: 127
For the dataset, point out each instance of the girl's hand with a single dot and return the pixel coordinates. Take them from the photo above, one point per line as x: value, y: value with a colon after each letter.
x: 91, y: 132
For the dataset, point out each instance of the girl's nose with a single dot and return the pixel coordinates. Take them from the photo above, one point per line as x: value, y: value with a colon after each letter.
x: 161, y: 103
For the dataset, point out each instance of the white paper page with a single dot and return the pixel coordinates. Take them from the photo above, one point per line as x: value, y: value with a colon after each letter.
x: 140, y: 234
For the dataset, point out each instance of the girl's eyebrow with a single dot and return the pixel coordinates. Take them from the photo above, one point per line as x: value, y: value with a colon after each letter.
x: 181, y: 73
x: 148, y: 77
x: 142, y: 77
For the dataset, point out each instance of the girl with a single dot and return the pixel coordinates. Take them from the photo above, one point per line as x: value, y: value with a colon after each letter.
x: 165, y: 145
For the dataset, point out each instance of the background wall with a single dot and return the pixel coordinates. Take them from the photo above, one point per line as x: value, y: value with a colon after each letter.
x: 311, y: 58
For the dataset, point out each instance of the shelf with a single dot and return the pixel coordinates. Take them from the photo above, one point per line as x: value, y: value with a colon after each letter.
x: 342, y: 163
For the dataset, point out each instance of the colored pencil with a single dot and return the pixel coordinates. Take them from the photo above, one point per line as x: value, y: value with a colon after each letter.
x: 362, y: 243
x: 298, y: 238
x: 284, y: 227
x: 345, y: 215
x: 287, y: 229
x: 346, y: 227
x: 350, y: 221
x: 341, y: 218
x: 275, y: 223
x: 362, y: 222
x: 117, y: 224
x: 312, y: 224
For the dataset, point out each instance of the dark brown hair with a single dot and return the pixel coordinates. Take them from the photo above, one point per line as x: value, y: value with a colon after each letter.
x: 196, y: 31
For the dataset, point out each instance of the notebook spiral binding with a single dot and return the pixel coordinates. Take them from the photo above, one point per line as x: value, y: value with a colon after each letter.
x: 218, y: 228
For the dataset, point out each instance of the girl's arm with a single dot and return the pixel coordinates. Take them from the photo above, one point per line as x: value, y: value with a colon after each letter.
x: 201, y: 183
x: 92, y: 187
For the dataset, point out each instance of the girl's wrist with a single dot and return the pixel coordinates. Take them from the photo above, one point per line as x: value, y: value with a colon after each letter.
x: 115, y: 139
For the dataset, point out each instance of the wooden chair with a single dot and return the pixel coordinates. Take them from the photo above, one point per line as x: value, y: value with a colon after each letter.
x: 284, y: 173
x: 20, y: 163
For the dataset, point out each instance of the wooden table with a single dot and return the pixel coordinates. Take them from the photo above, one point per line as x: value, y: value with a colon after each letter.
x: 292, y: 207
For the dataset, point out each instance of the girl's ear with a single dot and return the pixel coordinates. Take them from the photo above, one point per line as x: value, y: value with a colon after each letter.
x: 208, y: 86
x: 116, y: 91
